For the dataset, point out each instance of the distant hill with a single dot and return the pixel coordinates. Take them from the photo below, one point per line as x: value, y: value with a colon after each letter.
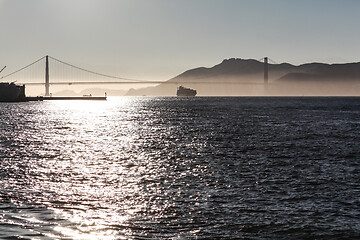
x: 321, y: 71
x: 245, y: 77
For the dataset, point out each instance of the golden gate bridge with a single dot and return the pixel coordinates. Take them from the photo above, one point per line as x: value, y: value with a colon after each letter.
x: 63, y: 73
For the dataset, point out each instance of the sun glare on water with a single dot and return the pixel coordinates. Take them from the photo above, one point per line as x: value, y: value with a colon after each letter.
x: 91, y: 176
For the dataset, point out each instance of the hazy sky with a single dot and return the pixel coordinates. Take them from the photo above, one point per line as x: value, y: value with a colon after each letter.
x: 159, y: 39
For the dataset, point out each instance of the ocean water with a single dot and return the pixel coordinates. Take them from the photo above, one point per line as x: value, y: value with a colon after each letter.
x: 181, y: 168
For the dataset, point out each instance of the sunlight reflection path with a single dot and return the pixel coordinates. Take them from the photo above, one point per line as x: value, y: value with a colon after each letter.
x: 87, y: 174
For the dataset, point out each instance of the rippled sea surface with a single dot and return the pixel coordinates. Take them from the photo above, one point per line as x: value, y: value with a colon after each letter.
x: 181, y: 168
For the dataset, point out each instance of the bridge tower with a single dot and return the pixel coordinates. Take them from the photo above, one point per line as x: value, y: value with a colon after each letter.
x: 266, y: 71
x: 47, y: 82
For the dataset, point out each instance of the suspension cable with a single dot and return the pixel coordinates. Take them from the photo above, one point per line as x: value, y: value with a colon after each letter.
x: 272, y: 61
x: 99, y: 74
x: 23, y: 68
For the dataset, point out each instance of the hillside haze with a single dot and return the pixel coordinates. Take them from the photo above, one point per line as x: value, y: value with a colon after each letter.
x: 245, y: 77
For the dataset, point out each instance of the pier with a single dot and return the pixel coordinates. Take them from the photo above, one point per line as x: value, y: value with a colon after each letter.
x: 46, y: 98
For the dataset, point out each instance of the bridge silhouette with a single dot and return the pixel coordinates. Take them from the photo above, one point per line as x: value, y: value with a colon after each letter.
x: 63, y: 73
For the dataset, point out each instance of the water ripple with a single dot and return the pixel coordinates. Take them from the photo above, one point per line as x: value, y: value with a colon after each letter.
x: 181, y: 168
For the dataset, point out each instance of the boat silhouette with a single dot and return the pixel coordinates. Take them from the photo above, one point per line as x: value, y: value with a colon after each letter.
x: 185, y: 92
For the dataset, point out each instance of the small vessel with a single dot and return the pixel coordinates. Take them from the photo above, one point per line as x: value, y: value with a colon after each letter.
x: 185, y: 92
x: 10, y: 92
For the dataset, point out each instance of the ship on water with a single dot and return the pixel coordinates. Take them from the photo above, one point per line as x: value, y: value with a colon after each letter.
x: 185, y: 92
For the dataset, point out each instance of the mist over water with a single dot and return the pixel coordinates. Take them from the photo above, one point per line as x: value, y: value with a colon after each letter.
x: 255, y: 86
x: 180, y: 168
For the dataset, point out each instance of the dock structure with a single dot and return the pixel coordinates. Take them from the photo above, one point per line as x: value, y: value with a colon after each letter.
x: 45, y: 98
x: 76, y: 98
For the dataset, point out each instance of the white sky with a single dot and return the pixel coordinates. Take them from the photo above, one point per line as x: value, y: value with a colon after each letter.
x: 159, y: 39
